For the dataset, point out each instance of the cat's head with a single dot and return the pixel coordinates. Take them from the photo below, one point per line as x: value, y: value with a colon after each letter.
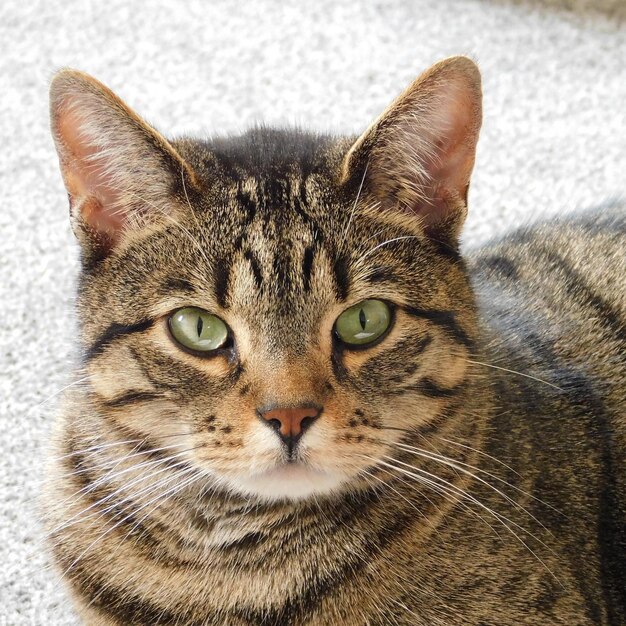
x: 280, y: 305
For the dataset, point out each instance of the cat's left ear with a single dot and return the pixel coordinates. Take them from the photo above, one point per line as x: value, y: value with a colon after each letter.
x: 120, y: 173
x: 419, y: 154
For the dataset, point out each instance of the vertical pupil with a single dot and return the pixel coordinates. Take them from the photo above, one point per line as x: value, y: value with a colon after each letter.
x: 199, y: 326
x: 362, y: 318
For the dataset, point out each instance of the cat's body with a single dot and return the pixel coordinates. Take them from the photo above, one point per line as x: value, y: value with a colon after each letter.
x: 466, y: 469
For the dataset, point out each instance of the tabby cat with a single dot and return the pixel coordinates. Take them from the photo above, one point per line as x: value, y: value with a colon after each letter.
x: 298, y: 404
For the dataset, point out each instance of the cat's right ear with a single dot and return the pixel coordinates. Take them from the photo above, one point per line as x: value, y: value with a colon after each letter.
x: 119, y: 172
x: 417, y: 157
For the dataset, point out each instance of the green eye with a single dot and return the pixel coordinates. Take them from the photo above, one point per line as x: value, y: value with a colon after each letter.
x: 198, y: 330
x: 363, y: 323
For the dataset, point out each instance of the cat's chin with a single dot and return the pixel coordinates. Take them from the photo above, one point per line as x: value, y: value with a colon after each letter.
x: 292, y: 481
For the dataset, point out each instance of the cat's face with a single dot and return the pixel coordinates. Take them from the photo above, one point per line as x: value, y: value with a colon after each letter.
x: 277, y: 306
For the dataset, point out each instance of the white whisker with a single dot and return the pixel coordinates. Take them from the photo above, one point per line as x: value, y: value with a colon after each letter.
x: 460, y: 466
x: 96, y: 448
x: 78, y: 517
x: 162, y: 497
x: 356, y: 201
x: 444, y: 494
x: 115, y: 462
x: 384, y: 243
x: 91, y: 450
x: 480, y: 452
x: 504, y: 369
x: 59, y: 391
x: 505, y: 521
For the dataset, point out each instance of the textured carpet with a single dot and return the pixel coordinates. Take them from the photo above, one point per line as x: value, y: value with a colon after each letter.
x: 553, y: 139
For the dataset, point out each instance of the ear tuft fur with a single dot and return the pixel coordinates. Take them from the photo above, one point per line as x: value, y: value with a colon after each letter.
x: 118, y: 171
x: 419, y: 154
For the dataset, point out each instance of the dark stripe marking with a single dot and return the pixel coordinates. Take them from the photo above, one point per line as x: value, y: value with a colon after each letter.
x: 428, y: 387
x: 298, y: 609
x: 132, y: 397
x: 255, y: 267
x: 342, y: 278
x: 611, y: 530
x: 247, y: 203
x: 307, y: 268
x: 115, y: 603
x: 447, y: 249
x: 445, y: 319
x: 248, y: 541
x: 578, y: 288
x: 112, y: 333
x: 502, y: 266
x: 155, y: 382
x: 177, y: 284
x: 300, y: 201
x: 382, y: 274
x: 101, y: 499
x: 221, y: 284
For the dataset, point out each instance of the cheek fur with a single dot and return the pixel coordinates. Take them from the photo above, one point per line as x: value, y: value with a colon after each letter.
x: 168, y: 393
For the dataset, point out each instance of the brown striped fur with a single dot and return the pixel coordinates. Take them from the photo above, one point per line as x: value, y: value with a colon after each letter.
x: 469, y: 469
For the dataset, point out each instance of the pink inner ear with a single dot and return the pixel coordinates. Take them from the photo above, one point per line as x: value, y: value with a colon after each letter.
x: 88, y: 182
x: 452, y: 134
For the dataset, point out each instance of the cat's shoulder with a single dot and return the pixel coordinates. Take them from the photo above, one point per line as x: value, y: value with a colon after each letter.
x: 581, y: 246
x: 558, y: 282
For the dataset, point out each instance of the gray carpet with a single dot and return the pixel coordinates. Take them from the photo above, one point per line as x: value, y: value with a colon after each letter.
x: 553, y: 139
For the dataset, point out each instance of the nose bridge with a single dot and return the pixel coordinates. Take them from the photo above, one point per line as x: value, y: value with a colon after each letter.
x: 288, y: 397
x: 288, y: 382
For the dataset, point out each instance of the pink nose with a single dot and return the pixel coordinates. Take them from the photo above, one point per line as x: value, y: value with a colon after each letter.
x: 291, y: 422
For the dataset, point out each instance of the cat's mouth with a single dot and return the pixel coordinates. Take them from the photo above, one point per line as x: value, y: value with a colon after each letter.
x: 292, y: 479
